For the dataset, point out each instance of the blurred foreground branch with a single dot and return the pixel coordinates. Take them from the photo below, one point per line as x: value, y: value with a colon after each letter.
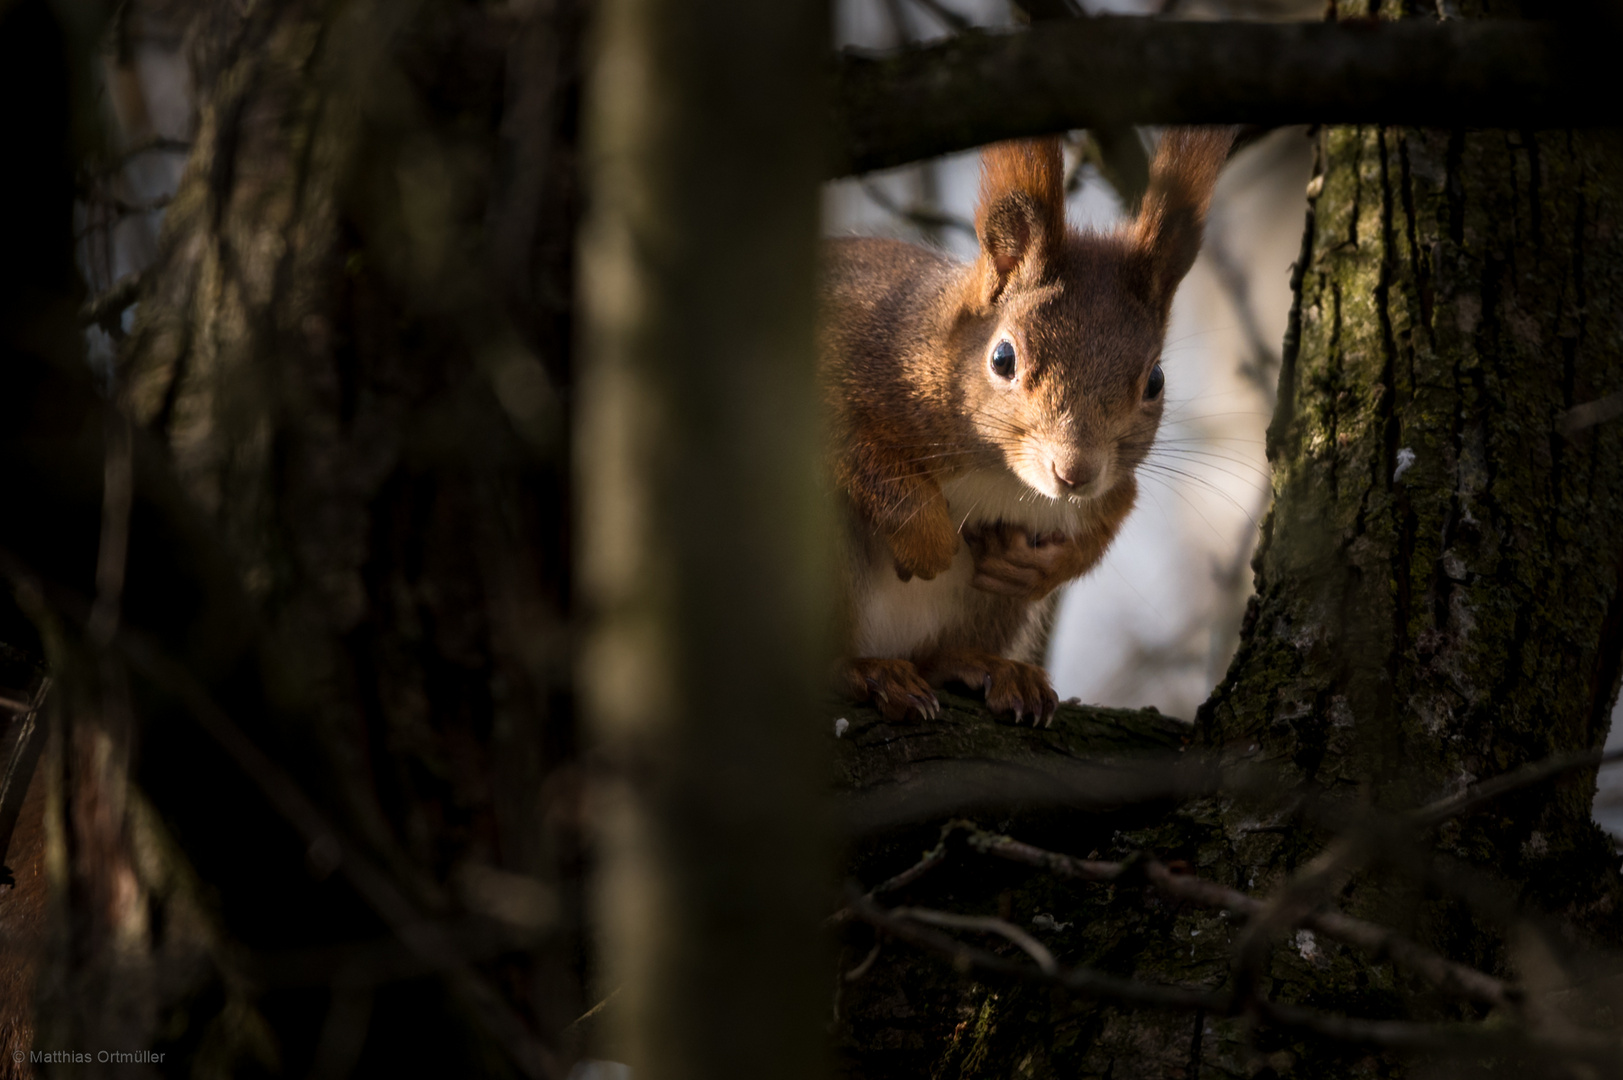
x: 980, y: 87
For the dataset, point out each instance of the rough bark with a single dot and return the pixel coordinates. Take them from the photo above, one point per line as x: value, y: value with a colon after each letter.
x: 1437, y: 602
x: 1438, y: 588
x: 315, y: 802
x: 888, y: 775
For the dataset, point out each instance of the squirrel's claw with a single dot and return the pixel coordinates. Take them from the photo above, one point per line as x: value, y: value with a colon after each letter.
x: 1010, y: 686
x: 894, y: 687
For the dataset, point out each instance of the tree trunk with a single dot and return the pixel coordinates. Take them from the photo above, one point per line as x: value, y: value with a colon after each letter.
x: 1437, y: 602
x: 704, y: 532
x: 314, y: 770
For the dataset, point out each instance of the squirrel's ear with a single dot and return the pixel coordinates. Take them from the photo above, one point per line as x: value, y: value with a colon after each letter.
x: 1173, y: 213
x: 1021, y: 216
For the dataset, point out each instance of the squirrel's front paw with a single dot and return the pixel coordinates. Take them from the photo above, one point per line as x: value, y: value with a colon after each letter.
x: 1011, y: 563
x: 926, y: 545
x: 895, y: 688
x: 1010, y: 685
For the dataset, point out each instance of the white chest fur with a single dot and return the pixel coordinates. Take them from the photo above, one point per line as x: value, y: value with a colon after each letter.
x: 897, y: 618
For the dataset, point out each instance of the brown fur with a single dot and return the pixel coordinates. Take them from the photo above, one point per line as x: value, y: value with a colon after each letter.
x: 1022, y: 209
x: 906, y: 338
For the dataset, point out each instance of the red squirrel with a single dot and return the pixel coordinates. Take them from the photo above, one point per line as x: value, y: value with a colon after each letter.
x: 988, y: 418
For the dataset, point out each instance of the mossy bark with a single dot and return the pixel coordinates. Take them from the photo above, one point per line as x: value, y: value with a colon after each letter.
x: 1437, y: 602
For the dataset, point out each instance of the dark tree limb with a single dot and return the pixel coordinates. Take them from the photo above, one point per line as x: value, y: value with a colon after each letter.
x: 893, y: 774
x: 980, y: 87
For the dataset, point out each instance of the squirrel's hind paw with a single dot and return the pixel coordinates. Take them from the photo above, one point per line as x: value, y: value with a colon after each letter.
x: 894, y: 687
x: 1011, y: 686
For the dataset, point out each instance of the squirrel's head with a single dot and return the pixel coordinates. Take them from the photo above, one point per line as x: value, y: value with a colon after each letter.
x: 1059, y: 338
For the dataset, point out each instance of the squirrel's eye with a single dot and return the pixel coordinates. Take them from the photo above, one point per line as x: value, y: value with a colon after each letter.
x: 1003, y: 360
x: 1158, y: 380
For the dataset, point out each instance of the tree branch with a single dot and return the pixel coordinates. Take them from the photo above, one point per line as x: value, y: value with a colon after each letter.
x: 980, y: 87
x: 1080, y: 979
x: 1489, y: 1038
x: 985, y: 924
x: 1468, y: 1038
x: 1479, y: 794
x: 889, y: 774
x: 107, y: 309
x: 1447, y: 975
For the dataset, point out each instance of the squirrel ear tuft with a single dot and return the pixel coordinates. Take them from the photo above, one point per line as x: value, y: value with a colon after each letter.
x: 1021, y: 216
x: 1173, y: 214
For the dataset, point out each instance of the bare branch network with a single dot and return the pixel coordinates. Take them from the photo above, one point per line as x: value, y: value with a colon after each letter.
x: 978, y: 87
x: 1302, y: 903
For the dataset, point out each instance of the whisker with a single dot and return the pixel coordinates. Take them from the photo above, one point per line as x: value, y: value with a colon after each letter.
x: 1165, y: 473
x: 1242, y: 439
x: 1179, y: 418
x: 1176, y: 490
x: 1210, y: 459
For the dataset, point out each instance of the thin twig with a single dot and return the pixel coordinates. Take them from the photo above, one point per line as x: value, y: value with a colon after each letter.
x: 931, y: 859
x: 1478, y: 795
x: 594, y: 1010
x: 1261, y: 367
x: 1447, y: 975
x: 149, y: 145
x: 867, y: 961
x: 1486, y: 1038
x: 1063, y: 865
x: 1305, y: 892
x: 925, y: 217
x: 130, y: 209
x: 946, y: 16
x: 1441, y: 972
x: 1083, y: 980
x: 1589, y: 414
x: 107, y: 309
x: 986, y: 924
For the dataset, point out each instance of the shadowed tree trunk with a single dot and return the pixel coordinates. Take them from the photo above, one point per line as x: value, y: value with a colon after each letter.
x: 342, y: 835
x: 1437, y: 603
x: 704, y: 533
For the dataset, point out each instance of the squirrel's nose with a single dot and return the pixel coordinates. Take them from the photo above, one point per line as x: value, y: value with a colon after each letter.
x: 1077, y: 473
